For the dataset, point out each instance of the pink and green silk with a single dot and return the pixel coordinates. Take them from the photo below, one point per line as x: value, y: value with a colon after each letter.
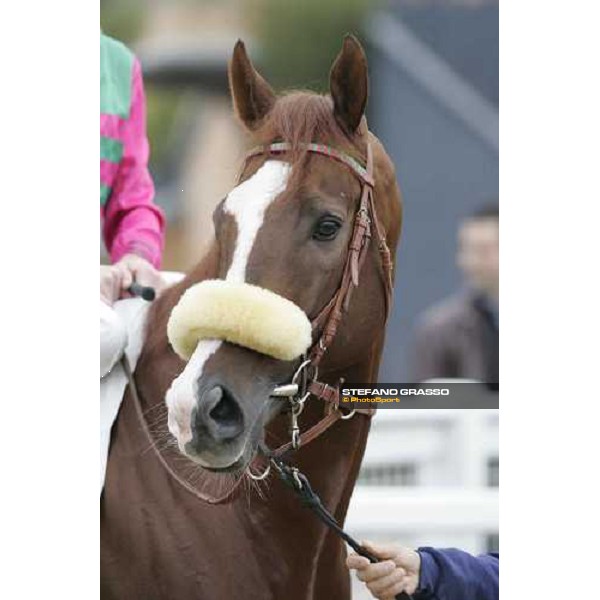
x: 132, y: 223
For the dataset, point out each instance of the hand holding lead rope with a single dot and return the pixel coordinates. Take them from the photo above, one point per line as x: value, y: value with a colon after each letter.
x: 298, y: 482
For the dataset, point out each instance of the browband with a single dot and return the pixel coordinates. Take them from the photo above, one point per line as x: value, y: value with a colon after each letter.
x: 282, y: 147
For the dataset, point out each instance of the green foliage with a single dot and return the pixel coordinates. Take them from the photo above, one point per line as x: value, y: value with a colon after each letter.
x: 299, y: 39
x: 122, y: 19
x: 161, y: 110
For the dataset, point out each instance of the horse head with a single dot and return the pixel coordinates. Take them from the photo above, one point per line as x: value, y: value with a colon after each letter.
x: 280, y: 255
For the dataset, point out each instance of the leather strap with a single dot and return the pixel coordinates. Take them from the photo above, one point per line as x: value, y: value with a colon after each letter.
x: 331, y: 395
x: 365, y: 222
x: 310, y: 434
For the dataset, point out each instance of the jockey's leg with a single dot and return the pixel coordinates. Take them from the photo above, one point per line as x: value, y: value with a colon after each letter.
x: 113, y: 338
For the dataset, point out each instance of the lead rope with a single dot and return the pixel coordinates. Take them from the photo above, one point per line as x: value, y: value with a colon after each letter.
x: 300, y: 485
x: 366, y: 219
x: 290, y: 476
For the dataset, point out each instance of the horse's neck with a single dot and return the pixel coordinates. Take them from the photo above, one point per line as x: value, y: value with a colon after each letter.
x: 364, y: 370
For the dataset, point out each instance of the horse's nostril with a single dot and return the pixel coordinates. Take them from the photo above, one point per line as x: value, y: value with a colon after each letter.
x: 225, y: 410
x: 224, y: 416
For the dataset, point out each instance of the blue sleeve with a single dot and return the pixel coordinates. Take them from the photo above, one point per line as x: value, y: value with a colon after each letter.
x: 450, y: 574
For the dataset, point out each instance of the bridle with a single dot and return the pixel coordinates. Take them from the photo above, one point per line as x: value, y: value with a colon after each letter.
x: 305, y: 382
x: 325, y: 324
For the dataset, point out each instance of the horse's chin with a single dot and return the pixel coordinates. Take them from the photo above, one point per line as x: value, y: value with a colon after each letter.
x: 235, y: 468
x: 215, y: 463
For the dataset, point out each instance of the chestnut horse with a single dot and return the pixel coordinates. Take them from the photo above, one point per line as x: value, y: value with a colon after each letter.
x: 290, y: 236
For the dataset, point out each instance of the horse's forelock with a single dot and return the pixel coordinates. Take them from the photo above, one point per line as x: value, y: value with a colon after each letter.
x: 302, y: 117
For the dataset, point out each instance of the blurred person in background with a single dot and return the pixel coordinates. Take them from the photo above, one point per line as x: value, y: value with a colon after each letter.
x: 458, y: 337
x: 427, y: 573
x: 132, y: 225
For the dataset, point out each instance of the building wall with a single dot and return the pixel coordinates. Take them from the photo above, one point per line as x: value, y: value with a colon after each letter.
x: 445, y: 170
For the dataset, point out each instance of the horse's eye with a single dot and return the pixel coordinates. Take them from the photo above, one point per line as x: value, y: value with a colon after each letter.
x: 326, y: 229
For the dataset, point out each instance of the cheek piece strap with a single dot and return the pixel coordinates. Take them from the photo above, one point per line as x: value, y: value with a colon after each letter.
x: 325, y: 325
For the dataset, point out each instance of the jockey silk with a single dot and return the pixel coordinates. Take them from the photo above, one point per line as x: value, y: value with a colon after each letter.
x: 132, y: 223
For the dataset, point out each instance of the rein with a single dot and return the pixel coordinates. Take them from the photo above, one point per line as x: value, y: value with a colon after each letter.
x: 300, y: 485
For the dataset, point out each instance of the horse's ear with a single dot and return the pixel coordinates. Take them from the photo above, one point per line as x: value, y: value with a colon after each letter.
x: 252, y: 96
x: 349, y: 84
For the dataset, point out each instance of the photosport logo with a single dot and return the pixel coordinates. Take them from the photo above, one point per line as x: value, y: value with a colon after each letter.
x: 442, y: 394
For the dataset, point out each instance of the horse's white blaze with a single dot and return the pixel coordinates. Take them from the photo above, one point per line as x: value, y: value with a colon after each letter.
x: 180, y: 397
x: 247, y: 203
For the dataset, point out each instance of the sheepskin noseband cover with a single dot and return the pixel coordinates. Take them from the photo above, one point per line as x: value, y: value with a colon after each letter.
x: 243, y: 314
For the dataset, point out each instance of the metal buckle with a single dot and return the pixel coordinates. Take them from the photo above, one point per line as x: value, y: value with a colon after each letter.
x: 297, y: 477
x: 299, y: 370
x: 284, y: 471
x: 287, y: 390
x: 260, y: 477
x: 348, y: 416
x: 295, y: 434
x: 292, y: 392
